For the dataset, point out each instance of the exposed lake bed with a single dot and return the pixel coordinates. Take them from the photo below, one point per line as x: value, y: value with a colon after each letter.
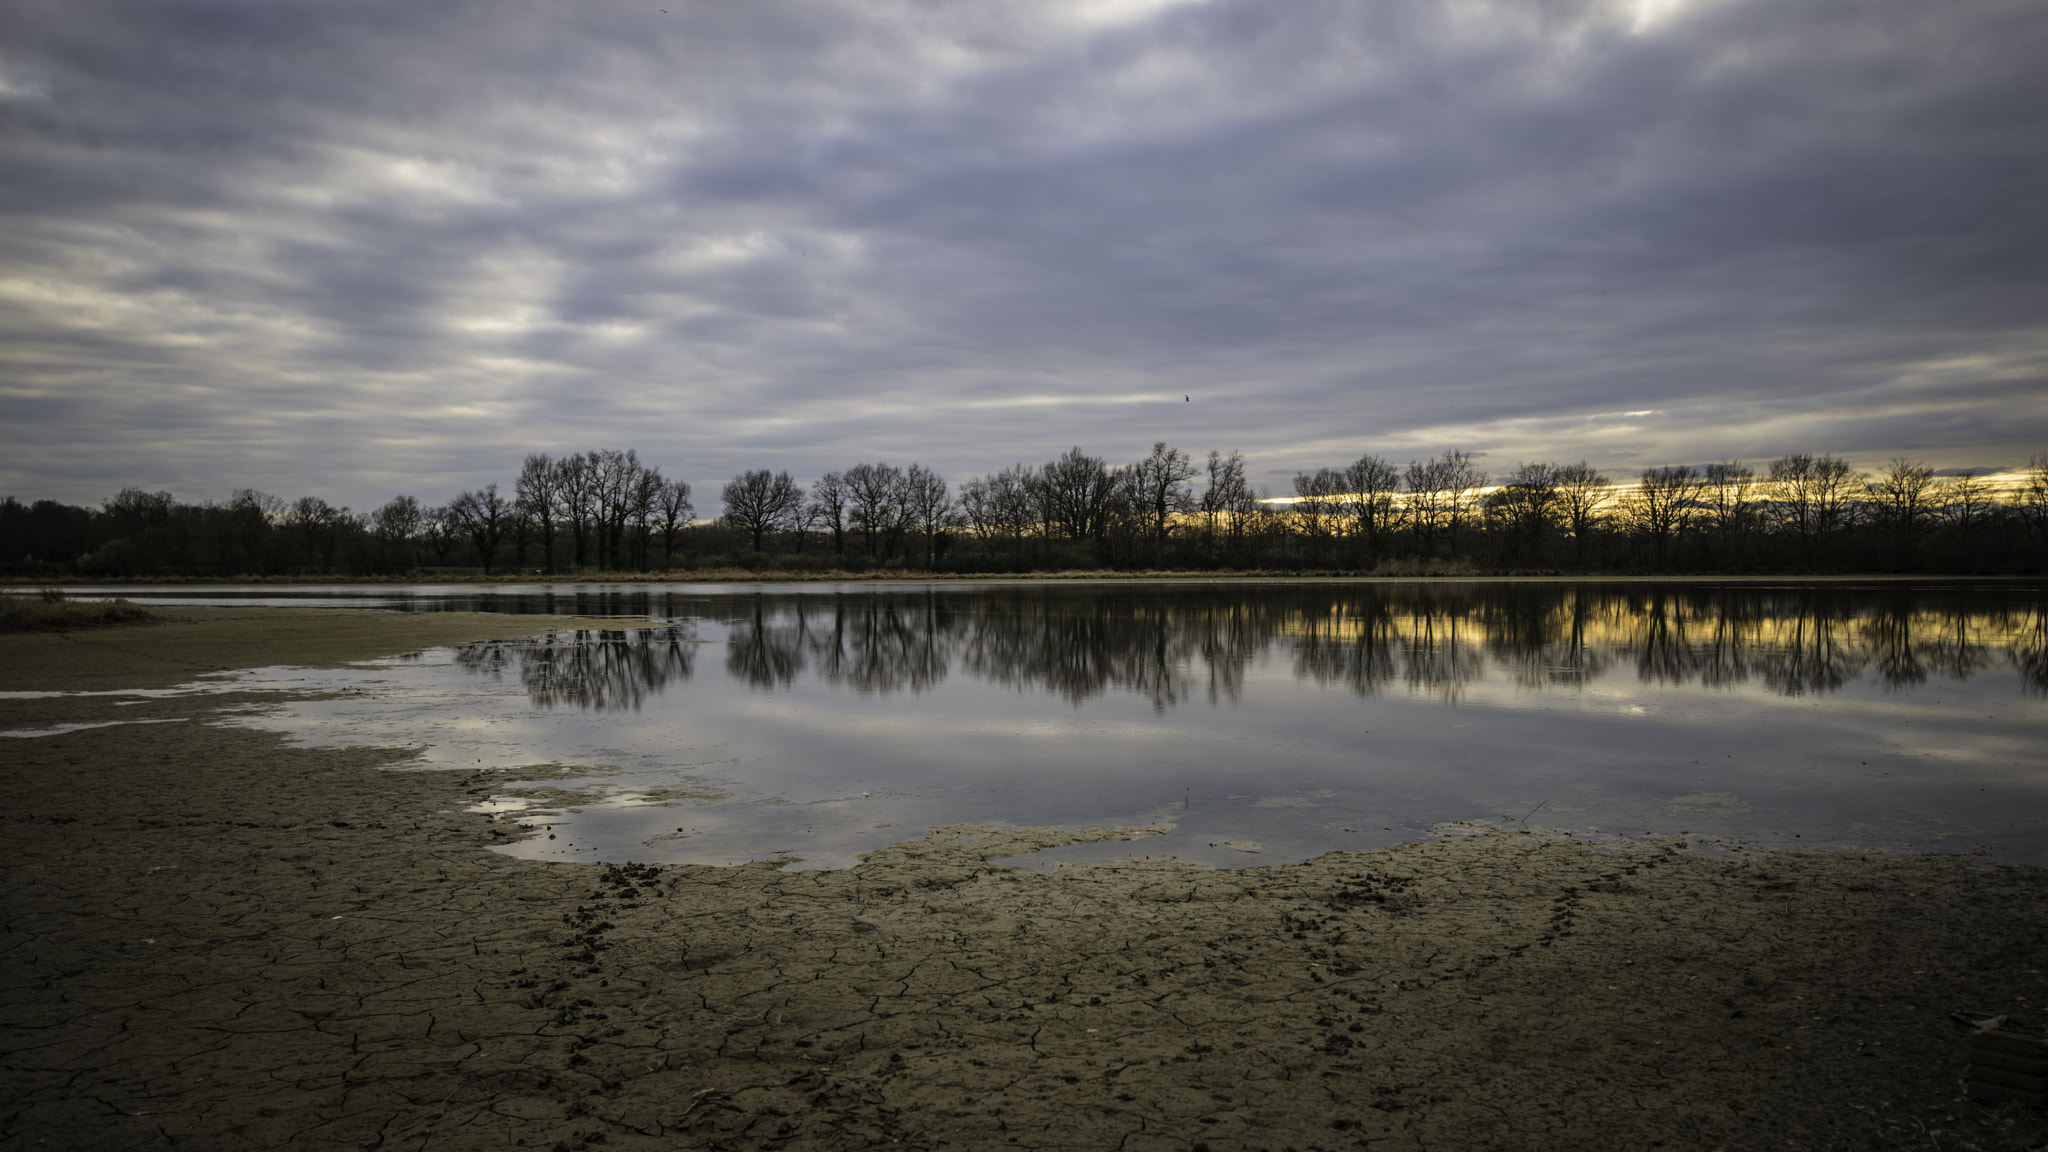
x: 220, y: 938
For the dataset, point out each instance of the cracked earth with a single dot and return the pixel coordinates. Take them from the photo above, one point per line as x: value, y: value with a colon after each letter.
x: 213, y: 940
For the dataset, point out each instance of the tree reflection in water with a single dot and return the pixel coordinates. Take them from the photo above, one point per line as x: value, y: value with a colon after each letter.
x: 608, y: 669
x: 1171, y: 643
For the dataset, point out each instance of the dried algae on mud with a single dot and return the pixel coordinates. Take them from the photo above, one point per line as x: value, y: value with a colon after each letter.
x: 217, y: 941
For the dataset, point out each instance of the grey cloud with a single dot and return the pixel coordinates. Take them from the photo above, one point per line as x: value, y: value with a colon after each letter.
x: 348, y: 244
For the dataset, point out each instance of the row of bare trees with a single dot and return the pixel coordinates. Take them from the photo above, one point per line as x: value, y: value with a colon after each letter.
x: 607, y: 509
x: 602, y: 509
x: 1802, y: 512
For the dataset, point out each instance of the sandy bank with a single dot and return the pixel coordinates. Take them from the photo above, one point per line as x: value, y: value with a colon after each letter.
x: 215, y: 941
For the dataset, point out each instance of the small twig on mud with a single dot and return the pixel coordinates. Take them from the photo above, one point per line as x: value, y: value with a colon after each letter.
x: 696, y: 1098
x: 1524, y: 821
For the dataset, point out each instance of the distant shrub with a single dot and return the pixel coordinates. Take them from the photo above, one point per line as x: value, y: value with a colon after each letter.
x: 49, y: 611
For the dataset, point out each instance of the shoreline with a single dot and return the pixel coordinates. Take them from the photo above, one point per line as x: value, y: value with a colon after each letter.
x: 11, y: 585
x: 219, y: 940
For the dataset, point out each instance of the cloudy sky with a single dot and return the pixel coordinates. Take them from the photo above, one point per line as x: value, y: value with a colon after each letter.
x: 359, y: 247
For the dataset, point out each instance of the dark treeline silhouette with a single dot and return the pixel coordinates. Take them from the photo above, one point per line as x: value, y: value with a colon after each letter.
x: 1175, y: 643
x: 606, y: 511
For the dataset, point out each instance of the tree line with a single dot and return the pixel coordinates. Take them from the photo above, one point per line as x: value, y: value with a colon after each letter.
x: 607, y: 510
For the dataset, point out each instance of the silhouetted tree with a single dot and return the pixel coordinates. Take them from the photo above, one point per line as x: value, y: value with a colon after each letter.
x: 672, y: 513
x: 538, y: 493
x: 1728, y: 507
x: 1372, y: 503
x: 876, y: 506
x: 394, y: 527
x: 575, y: 493
x: 1662, y: 505
x: 1965, y: 501
x: 1903, y: 500
x: 761, y: 502
x: 1813, y: 497
x: 1074, y: 494
x: 2033, y: 497
x: 927, y: 505
x: 828, y: 507
x: 1317, y: 511
x: 998, y: 508
x: 481, y: 516
x: 1228, y: 495
x: 1582, y: 495
x: 1525, y: 507
x: 441, y: 532
x: 1158, y: 485
x: 1439, y: 495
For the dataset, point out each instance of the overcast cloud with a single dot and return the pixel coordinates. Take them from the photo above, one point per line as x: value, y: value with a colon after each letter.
x: 358, y: 247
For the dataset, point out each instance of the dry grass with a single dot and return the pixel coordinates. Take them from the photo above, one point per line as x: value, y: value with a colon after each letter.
x: 49, y: 611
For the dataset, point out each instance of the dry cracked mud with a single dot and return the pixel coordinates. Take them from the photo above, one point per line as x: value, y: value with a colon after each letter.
x: 216, y: 941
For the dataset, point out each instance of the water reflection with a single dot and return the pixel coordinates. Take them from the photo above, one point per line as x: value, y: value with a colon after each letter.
x: 1170, y: 645
x: 609, y: 669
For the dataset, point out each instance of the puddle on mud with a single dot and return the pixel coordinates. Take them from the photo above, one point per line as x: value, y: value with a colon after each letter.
x: 60, y: 729
x: 1256, y: 725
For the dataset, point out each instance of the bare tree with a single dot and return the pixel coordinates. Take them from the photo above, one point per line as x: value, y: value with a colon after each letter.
x: 1663, y: 503
x: 622, y: 493
x: 441, y: 531
x: 1904, y: 499
x: 1966, y: 501
x: 398, y: 521
x: 1228, y: 494
x: 1526, y: 506
x: 481, y: 516
x: 1439, y: 495
x: 1582, y: 495
x: 672, y: 513
x: 875, y: 497
x: 520, y: 530
x: 1728, y: 506
x: 828, y: 507
x: 313, y: 523
x: 760, y: 503
x: 999, y: 506
x: 575, y: 493
x: 1159, y: 487
x: 137, y: 511
x: 2033, y: 495
x: 927, y: 505
x: 635, y: 511
x: 1371, y: 486
x: 1811, y: 495
x: 537, y: 493
x: 1074, y: 494
x: 1317, y: 509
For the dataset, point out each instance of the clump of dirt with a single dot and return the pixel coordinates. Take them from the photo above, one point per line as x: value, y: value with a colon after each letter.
x: 218, y: 941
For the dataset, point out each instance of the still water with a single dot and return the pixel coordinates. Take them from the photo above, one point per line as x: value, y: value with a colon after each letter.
x: 1263, y: 723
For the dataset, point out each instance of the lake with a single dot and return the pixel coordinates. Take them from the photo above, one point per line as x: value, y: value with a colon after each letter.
x: 1258, y: 723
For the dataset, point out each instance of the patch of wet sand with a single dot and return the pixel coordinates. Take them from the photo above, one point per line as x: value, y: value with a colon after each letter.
x: 216, y: 941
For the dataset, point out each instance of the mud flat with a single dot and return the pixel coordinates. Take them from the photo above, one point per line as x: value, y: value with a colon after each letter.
x: 216, y: 941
